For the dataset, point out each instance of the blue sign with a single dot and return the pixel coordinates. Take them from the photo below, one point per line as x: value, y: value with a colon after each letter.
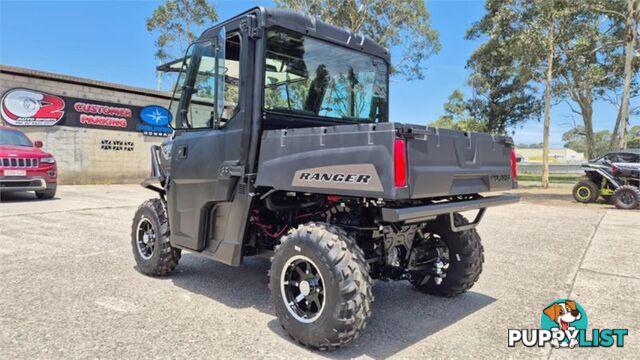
x: 155, y: 120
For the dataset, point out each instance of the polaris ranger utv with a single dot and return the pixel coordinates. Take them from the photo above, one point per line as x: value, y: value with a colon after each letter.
x: 282, y: 148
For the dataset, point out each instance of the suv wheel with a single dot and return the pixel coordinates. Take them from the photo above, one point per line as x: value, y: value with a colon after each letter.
x: 586, y: 192
x: 320, y: 286
x: 626, y: 197
x: 47, y: 194
x: 465, y: 257
x: 150, y: 240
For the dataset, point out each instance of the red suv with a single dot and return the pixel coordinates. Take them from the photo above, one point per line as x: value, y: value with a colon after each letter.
x: 24, y: 167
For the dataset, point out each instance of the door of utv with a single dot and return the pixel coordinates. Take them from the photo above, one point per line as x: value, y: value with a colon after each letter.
x: 206, y: 162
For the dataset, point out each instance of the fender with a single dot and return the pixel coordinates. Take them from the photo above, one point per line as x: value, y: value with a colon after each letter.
x: 605, y: 175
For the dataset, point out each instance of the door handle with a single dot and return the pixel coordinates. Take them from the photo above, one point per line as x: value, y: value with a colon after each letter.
x: 182, y: 152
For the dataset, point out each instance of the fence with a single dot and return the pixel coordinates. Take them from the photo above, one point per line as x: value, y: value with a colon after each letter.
x: 536, y: 168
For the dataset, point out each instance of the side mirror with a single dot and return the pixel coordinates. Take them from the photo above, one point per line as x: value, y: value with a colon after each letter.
x: 38, y: 144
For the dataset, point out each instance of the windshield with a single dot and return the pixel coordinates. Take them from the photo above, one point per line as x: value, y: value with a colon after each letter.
x: 15, y: 138
x: 316, y: 78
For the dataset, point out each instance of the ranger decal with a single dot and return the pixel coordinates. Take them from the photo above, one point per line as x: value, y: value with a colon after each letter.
x: 362, y: 177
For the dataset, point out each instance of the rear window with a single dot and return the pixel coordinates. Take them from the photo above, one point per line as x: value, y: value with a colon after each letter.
x: 315, y: 78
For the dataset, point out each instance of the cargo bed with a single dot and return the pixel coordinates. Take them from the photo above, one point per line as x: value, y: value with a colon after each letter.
x: 359, y: 160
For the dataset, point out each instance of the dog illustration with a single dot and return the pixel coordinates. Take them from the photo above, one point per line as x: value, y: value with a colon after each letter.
x: 563, y: 314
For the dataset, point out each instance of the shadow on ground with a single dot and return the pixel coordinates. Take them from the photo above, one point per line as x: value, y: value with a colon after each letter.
x: 401, y: 316
x: 25, y: 196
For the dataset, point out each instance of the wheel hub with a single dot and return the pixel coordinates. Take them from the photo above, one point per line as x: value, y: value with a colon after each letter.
x: 305, y: 289
x: 145, y: 238
x: 584, y: 192
x: 302, y: 289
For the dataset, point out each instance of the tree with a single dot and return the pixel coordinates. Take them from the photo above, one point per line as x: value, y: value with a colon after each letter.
x: 403, y: 25
x: 575, y: 139
x: 175, y: 21
x: 457, y: 115
x: 588, y: 68
x: 627, y: 14
x: 505, y: 92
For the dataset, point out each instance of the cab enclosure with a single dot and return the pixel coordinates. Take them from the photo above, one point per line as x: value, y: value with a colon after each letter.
x: 280, y: 119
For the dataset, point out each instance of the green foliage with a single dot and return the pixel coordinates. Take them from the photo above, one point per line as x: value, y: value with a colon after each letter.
x: 401, y: 24
x: 175, y: 21
x: 633, y: 141
x: 575, y: 139
x: 457, y: 115
x: 502, y: 78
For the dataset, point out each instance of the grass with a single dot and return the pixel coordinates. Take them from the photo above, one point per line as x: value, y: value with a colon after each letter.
x: 553, y: 178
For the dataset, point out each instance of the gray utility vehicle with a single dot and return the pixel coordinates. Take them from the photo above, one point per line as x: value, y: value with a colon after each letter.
x: 282, y: 149
x: 601, y: 180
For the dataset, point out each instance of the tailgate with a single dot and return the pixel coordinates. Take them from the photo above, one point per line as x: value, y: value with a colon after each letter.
x: 447, y: 162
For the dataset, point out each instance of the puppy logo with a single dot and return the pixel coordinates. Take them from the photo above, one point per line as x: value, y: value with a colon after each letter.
x: 563, y: 313
x: 24, y: 107
x: 565, y: 316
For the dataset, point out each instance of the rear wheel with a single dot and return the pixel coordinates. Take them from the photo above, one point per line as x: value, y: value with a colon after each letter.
x: 464, y: 254
x: 586, y: 192
x: 320, y: 286
x: 626, y: 197
x: 150, y: 240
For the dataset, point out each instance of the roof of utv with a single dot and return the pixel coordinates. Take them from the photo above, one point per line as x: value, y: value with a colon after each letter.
x: 314, y: 27
x: 628, y: 151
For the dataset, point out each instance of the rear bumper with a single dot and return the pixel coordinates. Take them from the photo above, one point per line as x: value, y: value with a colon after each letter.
x: 430, y: 211
x: 9, y: 184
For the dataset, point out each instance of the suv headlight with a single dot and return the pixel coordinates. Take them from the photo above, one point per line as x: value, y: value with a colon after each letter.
x: 47, y: 160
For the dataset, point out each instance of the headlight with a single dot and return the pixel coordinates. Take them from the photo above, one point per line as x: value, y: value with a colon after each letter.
x: 47, y: 160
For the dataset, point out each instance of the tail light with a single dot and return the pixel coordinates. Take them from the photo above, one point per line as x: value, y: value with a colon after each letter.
x: 514, y: 166
x: 400, y: 162
x: 614, y: 168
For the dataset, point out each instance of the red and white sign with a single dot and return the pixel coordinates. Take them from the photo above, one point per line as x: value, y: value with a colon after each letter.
x: 105, y: 115
x: 23, y: 107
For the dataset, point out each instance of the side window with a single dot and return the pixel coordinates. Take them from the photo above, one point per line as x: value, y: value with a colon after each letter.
x: 231, y: 77
x: 202, y: 101
x: 609, y: 157
x: 192, y: 102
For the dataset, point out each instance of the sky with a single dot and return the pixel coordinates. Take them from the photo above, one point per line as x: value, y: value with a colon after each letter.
x: 108, y: 41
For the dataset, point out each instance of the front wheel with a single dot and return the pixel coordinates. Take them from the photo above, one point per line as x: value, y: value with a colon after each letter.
x: 150, y: 240
x: 586, y: 192
x: 47, y: 194
x: 464, y: 254
x: 320, y: 286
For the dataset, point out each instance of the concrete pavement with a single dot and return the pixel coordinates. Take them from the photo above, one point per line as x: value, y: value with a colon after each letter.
x: 70, y: 290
